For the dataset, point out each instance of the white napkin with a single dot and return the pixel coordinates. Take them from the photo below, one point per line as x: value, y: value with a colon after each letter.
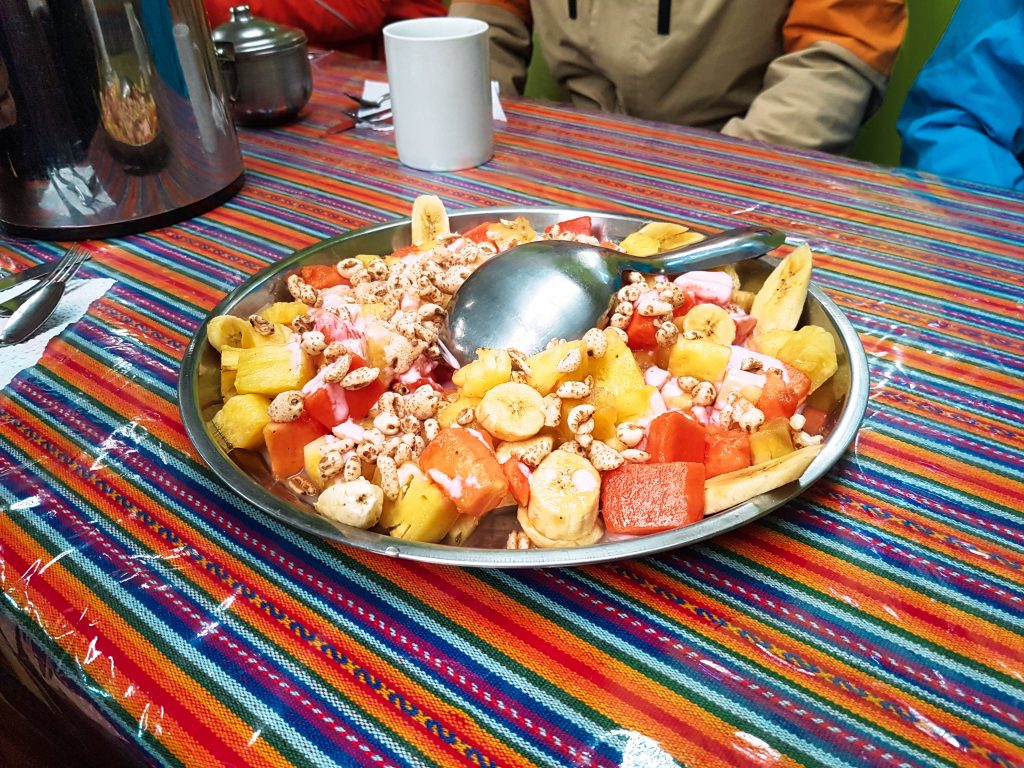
x: 374, y: 89
x: 76, y: 300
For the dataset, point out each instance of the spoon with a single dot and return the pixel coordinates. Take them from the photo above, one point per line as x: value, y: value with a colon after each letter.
x: 42, y: 299
x: 559, y: 289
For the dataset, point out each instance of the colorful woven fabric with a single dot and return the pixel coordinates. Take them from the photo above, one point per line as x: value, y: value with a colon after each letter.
x: 875, y: 620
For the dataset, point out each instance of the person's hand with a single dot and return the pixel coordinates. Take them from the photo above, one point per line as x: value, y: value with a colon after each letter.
x: 8, y: 112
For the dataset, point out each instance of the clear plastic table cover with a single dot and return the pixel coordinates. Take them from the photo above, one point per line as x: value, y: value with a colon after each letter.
x: 874, y: 620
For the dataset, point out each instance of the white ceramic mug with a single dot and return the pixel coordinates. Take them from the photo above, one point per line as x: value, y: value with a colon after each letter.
x: 439, y: 76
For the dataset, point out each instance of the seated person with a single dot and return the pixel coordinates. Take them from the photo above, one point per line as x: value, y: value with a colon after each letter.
x: 964, y: 116
x: 804, y: 73
x: 353, y: 26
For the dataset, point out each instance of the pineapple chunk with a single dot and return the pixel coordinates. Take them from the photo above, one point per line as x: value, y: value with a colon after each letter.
x: 700, y: 358
x: 272, y: 369
x: 606, y: 415
x: 229, y: 358
x: 376, y: 311
x: 491, y: 368
x: 770, y: 342
x: 744, y: 300
x: 619, y: 393
x: 812, y: 350
x: 676, y: 399
x: 228, y: 368
x: 284, y: 312
x: 510, y: 233
x: 227, y: 384
x: 732, y: 383
x: 544, y: 374
x: 312, y: 452
x: 422, y: 513
x: 241, y: 421
x: 447, y: 415
x: 406, y: 473
x: 618, y: 374
x: 771, y: 441
x: 280, y: 336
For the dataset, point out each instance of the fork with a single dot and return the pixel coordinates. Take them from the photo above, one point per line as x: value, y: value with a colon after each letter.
x: 75, y: 256
x: 377, y: 122
x: 368, y: 103
x: 36, y: 305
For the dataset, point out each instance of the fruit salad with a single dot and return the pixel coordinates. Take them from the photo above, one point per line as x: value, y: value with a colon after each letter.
x: 693, y: 396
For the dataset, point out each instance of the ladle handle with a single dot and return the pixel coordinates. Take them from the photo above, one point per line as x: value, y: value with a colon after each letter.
x: 724, y: 248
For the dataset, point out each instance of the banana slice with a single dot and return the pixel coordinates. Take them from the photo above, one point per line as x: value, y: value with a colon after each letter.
x: 461, y: 530
x: 639, y: 244
x: 357, y: 503
x: 780, y: 302
x: 564, y: 494
x: 228, y: 331
x: 669, y: 235
x: 734, y: 488
x: 544, y: 542
x: 712, y: 322
x: 429, y: 220
x: 511, y: 411
x: 662, y: 230
x: 678, y: 241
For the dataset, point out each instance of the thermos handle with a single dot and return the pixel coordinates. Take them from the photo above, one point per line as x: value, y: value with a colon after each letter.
x: 226, y: 58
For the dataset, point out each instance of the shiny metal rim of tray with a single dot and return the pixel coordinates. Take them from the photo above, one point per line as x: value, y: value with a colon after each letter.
x: 199, y: 395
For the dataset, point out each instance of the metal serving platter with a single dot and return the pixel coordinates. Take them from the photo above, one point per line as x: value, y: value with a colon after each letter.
x: 246, y: 472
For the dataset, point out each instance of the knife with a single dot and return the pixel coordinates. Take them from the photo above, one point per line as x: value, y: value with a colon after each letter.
x: 32, y: 273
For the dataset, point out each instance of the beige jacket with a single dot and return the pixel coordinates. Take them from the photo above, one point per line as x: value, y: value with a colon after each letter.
x: 803, y: 73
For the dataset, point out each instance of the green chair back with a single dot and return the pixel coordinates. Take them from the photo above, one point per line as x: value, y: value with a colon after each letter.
x: 539, y: 82
x: 878, y: 140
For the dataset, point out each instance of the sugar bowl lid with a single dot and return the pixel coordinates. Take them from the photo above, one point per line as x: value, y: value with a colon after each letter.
x: 249, y: 34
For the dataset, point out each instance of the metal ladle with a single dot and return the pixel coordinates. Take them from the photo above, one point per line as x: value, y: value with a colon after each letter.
x: 558, y: 289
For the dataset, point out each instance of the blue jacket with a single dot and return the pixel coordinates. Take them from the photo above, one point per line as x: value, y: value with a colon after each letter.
x: 964, y: 116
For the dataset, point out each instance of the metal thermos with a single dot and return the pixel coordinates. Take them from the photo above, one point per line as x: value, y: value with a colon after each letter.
x: 113, y: 118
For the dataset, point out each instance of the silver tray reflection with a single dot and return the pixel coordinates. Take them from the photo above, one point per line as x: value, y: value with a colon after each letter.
x: 247, y: 474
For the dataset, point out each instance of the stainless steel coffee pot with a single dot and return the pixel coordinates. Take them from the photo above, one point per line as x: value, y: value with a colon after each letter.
x: 113, y: 118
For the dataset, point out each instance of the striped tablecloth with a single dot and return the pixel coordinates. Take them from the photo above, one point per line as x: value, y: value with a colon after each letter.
x: 876, y: 620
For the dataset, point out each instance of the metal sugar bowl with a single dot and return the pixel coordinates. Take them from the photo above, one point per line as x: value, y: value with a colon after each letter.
x: 265, y: 67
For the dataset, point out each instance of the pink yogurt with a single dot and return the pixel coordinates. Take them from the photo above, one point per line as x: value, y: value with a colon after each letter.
x: 707, y: 287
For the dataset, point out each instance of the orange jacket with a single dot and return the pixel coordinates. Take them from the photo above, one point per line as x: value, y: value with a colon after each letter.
x: 797, y: 72
x: 350, y: 25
